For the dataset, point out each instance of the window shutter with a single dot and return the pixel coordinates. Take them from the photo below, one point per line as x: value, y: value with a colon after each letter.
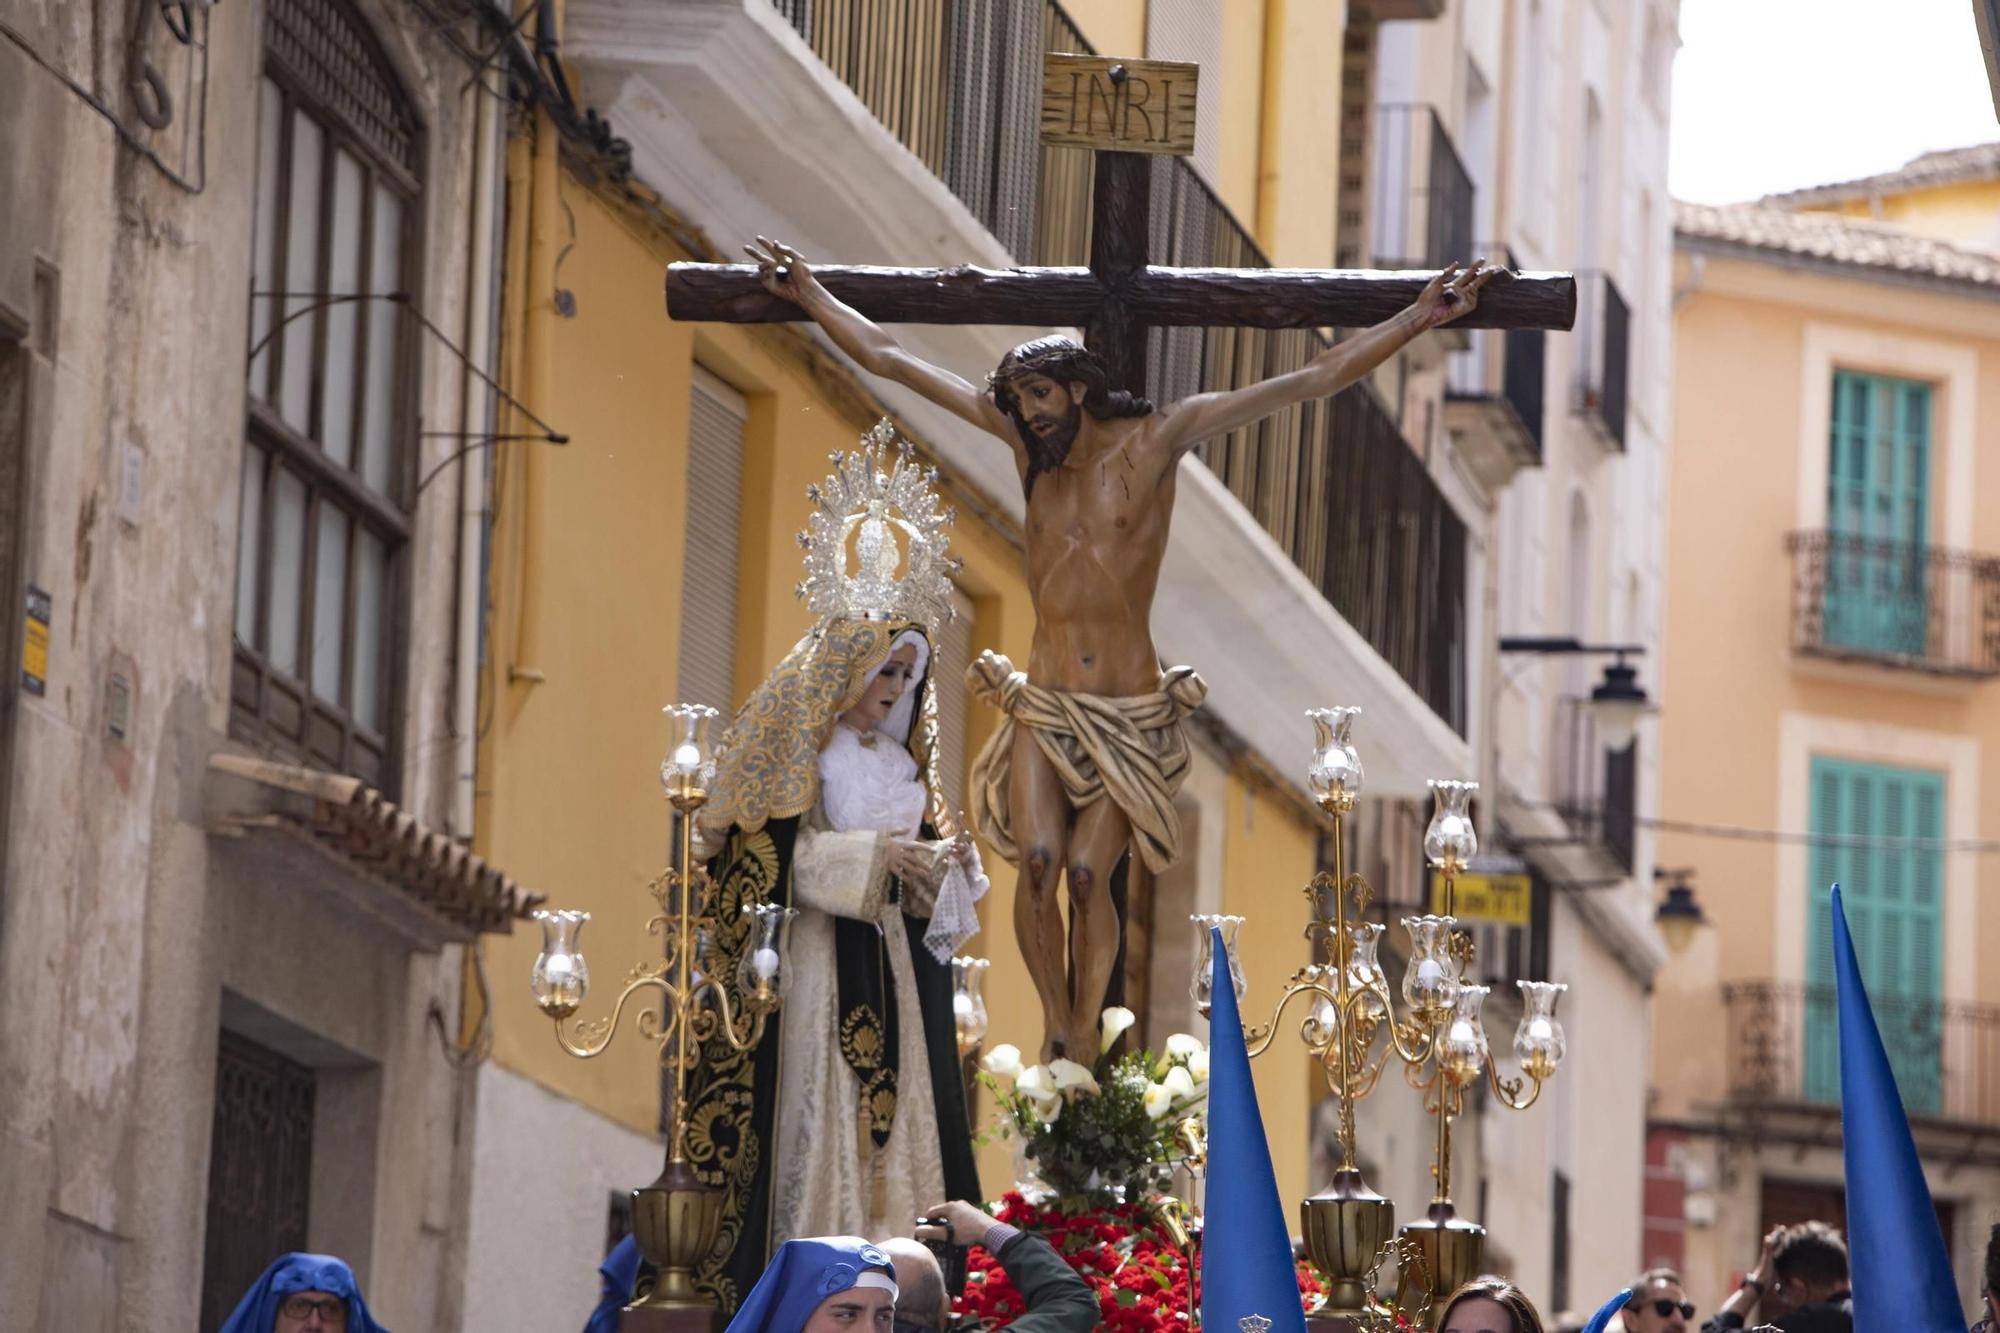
x: 717, y: 415
x: 1893, y: 893
x: 954, y: 654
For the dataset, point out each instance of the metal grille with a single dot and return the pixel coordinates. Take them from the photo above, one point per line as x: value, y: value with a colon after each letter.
x: 1423, y: 193
x: 259, y: 1170
x: 328, y: 50
x: 1597, y: 788
x: 1946, y: 1055
x: 1902, y: 604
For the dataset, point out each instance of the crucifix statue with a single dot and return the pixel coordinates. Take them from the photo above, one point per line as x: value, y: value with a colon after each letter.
x: 1090, y: 751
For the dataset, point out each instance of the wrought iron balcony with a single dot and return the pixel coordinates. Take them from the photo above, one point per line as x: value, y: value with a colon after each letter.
x: 1494, y: 391
x: 1897, y: 603
x: 1603, y: 361
x: 1595, y: 788
x: 1423, y: 193
x: 1333, y: 482
x: 1783, y: 1043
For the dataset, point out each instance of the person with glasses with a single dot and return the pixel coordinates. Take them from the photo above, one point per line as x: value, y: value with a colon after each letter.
x: 1659, y: 1304
x: 301, y: 1292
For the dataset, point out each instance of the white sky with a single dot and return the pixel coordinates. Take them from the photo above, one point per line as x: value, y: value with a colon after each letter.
x: 1778, y: 94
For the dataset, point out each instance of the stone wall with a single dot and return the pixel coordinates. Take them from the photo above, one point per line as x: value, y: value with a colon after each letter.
x: 126, y: 939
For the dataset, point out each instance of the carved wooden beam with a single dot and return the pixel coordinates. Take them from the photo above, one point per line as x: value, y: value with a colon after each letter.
x: 1274, y: 298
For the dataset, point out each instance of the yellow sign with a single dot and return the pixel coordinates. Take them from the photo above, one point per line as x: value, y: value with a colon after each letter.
x: 1128, y: 106
x: 35, y: 643
x: 1500, y: 899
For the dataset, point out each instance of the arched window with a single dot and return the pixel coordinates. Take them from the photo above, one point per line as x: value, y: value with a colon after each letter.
x: 324, y: 519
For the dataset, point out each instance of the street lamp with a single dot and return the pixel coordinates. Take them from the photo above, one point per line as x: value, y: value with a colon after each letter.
x: 1618, y: 702
x: 1678, y: 914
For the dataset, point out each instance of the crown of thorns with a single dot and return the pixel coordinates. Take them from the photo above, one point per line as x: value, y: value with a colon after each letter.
x: 1040, y: 362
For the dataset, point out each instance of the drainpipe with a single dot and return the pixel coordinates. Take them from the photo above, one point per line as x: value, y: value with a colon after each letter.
x: 476, y: 416
x: 537, y: 374
x: 1268, y: 128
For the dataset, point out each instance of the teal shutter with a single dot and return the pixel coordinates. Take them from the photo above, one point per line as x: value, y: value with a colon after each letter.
x: 1878, y: 514
x: 1895, y: 910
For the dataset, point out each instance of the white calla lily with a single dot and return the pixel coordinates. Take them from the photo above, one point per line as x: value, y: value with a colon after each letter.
x: 1179, y: 1082
x: 1069, y: 1077
x: 1159, y: 1100
x: 1046, y: 1107
x: 1181, y: 1045
x: 1111, y: 1024
x: 1034, y: 1082
x: 1003, y: 1061
x: 1197, y: 1066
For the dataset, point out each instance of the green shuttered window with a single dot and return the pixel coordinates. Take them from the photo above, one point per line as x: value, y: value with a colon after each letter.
x: 1895, y: 909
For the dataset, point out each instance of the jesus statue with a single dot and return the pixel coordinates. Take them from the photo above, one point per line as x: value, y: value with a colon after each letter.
x: 1090, y: 752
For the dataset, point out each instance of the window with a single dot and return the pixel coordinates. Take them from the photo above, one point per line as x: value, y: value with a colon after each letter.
x: 323, y: 522
x: 1878, y: 514
x: 717, y: 417
x: 1894, y: 897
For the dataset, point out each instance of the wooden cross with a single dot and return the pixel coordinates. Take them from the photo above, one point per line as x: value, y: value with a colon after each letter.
x: 1120, y: 295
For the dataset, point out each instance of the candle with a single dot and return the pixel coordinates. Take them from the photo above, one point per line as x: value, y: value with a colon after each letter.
x: 765, y: 960
x: 687, y: 757
x: 961, y: 1005
x: 1539, y: 1029
x: 558, y: 968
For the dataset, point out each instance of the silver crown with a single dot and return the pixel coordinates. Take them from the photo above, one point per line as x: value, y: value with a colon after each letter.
x: 883, y: 501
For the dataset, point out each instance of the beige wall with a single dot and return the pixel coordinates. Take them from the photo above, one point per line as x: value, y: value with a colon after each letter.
x: 1756, y: 348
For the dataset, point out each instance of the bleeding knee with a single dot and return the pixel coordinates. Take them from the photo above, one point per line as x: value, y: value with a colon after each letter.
x: 1082, y: 879
x: 1041, y: 869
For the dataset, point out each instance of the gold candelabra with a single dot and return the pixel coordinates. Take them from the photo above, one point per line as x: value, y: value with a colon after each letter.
x: 1441, y: 1043
x: 676, y: 1218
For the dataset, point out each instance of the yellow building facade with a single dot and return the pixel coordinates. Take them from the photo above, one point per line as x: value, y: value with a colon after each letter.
x: 1828, y: 694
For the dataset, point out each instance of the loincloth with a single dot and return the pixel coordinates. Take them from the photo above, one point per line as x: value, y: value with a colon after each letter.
x: 1131, y: 750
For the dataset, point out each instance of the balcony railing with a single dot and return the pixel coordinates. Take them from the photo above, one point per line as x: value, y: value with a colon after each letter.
x: 1784, y: 1047
x: 1506, y: 372
x: 1596, y: 789
x: 1897, y: 603
x: 1604, y: 349
x: 1423, y: 193
x: 1333, y: 482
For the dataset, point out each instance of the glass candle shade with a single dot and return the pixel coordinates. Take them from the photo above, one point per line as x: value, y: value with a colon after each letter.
x: 1335, y: 771
x: 560, y: 979
x: 1538, y: 1040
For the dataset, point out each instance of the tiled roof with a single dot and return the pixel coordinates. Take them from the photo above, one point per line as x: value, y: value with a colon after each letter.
x: 1836, y: 240
x: 367, y: 832
x: 1977, y: 163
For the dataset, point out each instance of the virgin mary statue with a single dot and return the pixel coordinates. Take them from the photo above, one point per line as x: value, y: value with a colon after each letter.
x: 851, y: 1115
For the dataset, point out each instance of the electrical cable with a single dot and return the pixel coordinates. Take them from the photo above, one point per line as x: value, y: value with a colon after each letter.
x: 1744, y: 833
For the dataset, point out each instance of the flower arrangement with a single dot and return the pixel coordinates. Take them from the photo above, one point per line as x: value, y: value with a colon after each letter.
x: 1142, y: 1280
x: 1097, y: 1133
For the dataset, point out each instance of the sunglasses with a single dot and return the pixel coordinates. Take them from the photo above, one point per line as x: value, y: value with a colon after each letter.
x: 1663, y: 1308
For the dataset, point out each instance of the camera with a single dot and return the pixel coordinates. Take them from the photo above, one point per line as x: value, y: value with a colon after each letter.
x: 950, y: 1254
